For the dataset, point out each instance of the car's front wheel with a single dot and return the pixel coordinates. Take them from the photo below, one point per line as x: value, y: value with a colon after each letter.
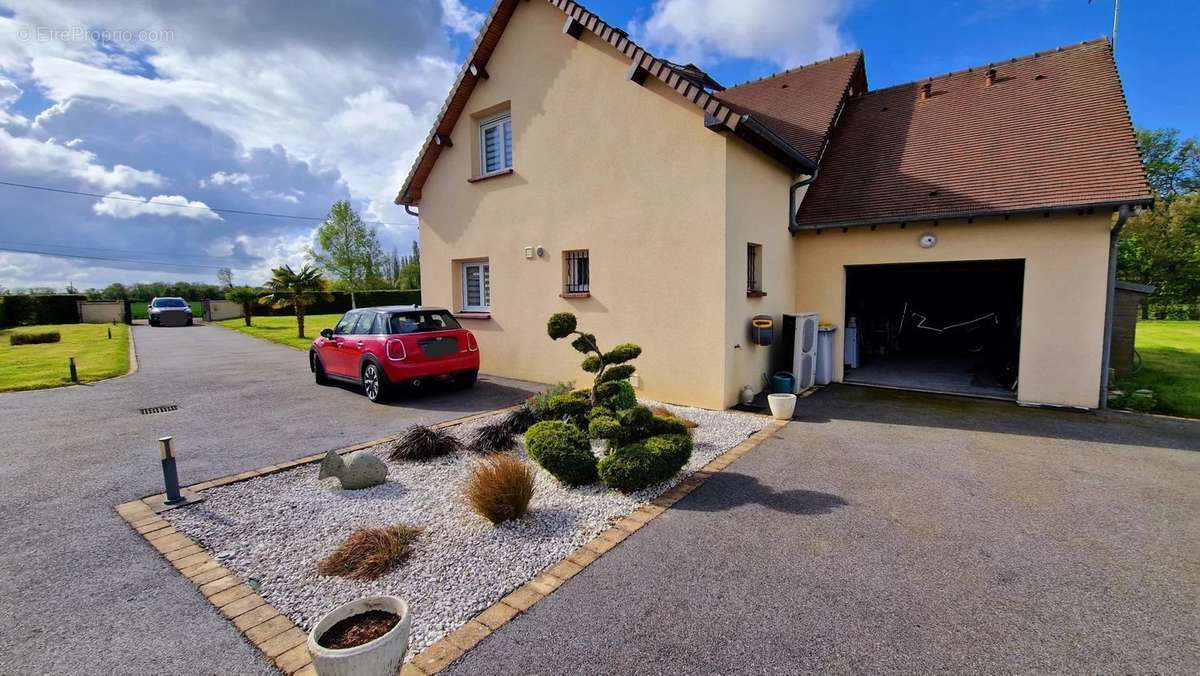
x: 318, y: 369
x: 374, y: 382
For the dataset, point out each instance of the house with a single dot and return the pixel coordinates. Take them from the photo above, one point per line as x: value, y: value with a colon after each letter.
x: 965, y: 223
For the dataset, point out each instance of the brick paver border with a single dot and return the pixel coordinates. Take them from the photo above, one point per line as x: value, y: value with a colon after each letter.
x: 284, y: 644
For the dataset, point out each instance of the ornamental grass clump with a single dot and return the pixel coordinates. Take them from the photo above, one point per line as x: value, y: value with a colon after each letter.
x: 34, y: 337
x: 520, y: 419
x: 369, y: 553
x: 495, y: 437
x: 500, y: 487
x: 421, y: 443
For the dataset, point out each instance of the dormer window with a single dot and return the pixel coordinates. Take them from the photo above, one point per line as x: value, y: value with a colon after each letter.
x: 495, y: 144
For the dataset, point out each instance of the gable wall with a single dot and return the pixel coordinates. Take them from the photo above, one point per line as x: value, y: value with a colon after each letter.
x: 627, y: 172
x: 756, y: 211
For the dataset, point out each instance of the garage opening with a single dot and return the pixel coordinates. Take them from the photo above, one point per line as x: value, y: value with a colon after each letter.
x: 939, y: 327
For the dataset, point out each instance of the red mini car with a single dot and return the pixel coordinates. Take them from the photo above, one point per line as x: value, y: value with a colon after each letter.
x: 381, y: 347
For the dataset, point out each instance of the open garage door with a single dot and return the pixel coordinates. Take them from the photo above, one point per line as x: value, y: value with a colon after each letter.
x: 940, y: 327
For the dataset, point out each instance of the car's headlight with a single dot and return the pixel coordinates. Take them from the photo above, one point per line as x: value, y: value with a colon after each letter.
x: 154, y: 310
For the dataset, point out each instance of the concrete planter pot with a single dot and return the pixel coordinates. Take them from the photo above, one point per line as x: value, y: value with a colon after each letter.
x: 782, y: 405
x: 380, y: 657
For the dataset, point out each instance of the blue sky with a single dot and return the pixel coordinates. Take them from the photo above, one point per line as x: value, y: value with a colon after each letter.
x: 284, y: 107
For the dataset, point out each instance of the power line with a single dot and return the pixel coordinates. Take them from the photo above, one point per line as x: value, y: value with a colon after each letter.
x: 117, y: 259
x: 90, y: 248
x: 219, y: 210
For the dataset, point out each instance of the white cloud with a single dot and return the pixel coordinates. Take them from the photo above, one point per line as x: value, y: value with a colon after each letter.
x: 23, y: 155
x: 224, y: 178
x: 461, y: 19
x: 787, y: 33
x: 121, y: 205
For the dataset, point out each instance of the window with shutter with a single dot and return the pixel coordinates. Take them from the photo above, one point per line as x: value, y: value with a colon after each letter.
x: 495, y: 144
x: 476, y: 287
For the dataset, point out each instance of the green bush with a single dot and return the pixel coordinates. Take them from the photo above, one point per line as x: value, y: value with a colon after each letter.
x: 640, y: 423
x: 604, y: 427
x: 563, y: 451
x: 617, y: 395
x: 645, y: 463
x: 540, y: 402
x: 572, y: 407
x: 560, y: 325
x: 34, y: 337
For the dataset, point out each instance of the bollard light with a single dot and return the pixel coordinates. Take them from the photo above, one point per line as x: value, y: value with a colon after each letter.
x: 71, y: 365
x: 170, y: 476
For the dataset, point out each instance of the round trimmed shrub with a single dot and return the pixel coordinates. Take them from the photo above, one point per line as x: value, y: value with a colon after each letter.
x: 604, y: 427
x: 561, y: 325
x: 617, y: 395
x: 645, y: 463
x: 562, y: 450
x: 573, y: 407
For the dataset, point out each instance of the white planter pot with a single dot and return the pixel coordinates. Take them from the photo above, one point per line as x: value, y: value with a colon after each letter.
x: 782, y: 405
x: 381, y: 656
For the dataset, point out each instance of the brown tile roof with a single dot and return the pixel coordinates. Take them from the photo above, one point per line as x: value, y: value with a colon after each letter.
x: 674, y: 76
x: 799, y: 105
x: 1052, y: 133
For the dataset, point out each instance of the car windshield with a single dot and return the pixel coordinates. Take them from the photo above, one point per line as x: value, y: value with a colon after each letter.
x: 169, y: 302
x: 422, y: 321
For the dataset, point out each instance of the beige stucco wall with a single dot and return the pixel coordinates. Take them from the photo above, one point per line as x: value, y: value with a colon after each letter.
x: 1066, y: 260
x: 101, y: 311
x: 756, y: 211
x: 627, y: 172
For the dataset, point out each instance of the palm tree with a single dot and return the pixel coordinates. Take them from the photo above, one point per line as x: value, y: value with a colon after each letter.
x: 296, y: 289
x: 246, y: 295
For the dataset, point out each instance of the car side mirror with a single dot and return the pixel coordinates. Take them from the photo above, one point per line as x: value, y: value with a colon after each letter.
x: 327, y: 334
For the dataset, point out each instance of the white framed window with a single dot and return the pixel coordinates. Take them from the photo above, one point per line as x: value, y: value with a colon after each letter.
x: 476, y: 287
x: 495, y: 144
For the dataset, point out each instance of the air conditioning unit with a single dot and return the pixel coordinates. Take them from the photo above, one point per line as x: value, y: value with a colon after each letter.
x: 799, y: 341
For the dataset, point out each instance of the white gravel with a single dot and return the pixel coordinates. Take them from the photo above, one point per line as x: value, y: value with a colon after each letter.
x: 273, y: 530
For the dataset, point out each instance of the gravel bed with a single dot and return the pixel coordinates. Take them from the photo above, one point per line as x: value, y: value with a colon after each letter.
x: 273, y: 530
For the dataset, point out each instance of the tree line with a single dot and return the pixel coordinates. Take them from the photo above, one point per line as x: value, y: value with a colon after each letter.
x: 1161, y: 245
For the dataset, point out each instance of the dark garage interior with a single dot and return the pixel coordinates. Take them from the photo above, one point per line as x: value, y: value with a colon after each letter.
x: 941, y: 327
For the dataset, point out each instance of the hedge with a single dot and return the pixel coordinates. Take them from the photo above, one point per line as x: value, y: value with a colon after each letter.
x: 23, y: 310
x: 340, y: 302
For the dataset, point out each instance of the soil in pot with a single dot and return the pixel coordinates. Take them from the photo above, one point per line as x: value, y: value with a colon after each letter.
x: 358, y: 629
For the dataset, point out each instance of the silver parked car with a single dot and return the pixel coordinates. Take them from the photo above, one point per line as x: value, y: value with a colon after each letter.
x: 170, y: 311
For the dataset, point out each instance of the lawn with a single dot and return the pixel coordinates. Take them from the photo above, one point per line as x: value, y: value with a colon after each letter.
x: 1170, y: 353
x: 282, y: 330
x: 33, y: 367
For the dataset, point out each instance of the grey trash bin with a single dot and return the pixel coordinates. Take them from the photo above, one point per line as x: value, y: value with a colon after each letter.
x: 825, y: 353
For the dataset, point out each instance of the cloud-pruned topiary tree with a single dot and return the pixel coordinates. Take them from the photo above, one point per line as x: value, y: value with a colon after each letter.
x: 609, y: 367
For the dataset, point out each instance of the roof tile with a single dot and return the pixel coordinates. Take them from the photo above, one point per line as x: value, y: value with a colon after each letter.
x: 1052, y: 132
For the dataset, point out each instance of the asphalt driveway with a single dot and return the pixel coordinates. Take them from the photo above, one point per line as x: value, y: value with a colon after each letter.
x: 894, y: 532
x: 79, y: 591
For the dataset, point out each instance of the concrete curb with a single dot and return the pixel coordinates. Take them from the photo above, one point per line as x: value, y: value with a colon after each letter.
x: 284, y: 644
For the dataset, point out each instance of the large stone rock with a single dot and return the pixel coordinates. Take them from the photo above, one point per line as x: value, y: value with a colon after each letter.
x: 362, y: 470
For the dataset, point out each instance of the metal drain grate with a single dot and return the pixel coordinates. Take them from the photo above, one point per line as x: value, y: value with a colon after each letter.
x: 160, y: 409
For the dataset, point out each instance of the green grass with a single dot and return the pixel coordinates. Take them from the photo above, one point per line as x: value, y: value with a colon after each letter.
x: 282, y: 330
x: 140, y: 312
x: 34, y: 367
x: 1170, y: 353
